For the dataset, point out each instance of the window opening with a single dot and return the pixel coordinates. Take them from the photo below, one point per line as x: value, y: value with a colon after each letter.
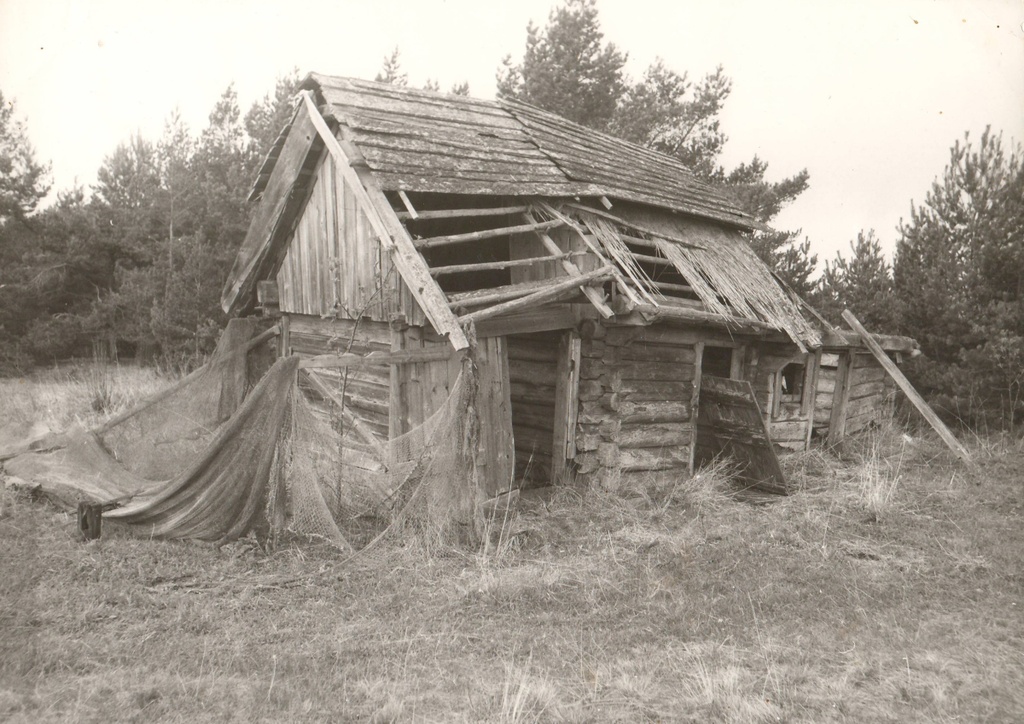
x: 717, y: 362
x: 791, y: 383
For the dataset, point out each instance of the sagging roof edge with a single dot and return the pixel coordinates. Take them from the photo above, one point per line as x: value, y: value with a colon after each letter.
x: 314, y: 82
x: 237, y: 281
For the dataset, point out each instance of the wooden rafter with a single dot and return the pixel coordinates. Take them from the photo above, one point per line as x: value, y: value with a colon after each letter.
x: 460, y: 213
x: 626, y: 289
x: 479, y: 297
x: 485, y: 234
x: 490, y: 265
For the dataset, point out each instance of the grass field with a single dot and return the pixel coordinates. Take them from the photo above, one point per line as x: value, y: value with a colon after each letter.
x: 888, y: 588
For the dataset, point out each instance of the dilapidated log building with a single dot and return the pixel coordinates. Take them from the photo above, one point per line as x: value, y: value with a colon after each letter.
x: 620, y: 324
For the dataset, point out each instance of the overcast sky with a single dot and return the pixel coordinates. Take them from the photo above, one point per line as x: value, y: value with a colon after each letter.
x: 868, y: 95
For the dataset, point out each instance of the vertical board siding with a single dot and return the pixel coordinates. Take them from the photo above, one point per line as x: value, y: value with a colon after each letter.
x: 496, y: 453
x: 419, y: 389
x: 334, y: 265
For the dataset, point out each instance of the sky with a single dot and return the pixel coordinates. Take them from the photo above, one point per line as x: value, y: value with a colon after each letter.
x: 867, y: 95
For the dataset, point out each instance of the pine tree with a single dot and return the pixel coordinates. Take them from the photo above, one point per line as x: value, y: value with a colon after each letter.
x: 959, y: 278
x: 23, y: 180
x: 267, y: 117
x: 668, y: 113
x: 567, y: 69
x: 861, y: 283
x: 391, y: 70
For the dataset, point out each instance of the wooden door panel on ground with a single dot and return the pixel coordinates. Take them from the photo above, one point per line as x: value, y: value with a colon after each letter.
x: 730, y: 423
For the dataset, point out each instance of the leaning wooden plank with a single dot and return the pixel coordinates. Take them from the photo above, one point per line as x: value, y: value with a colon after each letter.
x: 488, y: 265
x: 485, y: 234
x: 393, y: 236
x: 376, y: 359
x: 360, y: 428
x: 461, y: 213
x: 543, y: 296
x: 908, y: 389
x: 477, y: 297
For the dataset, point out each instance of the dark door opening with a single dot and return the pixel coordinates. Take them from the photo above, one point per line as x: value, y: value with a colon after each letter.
x: 532, y: 364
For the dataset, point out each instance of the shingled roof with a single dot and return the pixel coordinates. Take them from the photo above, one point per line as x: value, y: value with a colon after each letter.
x: 416, y: 140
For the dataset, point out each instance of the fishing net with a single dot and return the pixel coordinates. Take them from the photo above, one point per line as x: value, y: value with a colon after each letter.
x: 221, y: 455
x: 330, y: 484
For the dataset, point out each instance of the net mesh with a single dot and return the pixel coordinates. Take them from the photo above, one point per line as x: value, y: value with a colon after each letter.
x: 153, y: 440
x: 231, y: 450
x: 329, y: 484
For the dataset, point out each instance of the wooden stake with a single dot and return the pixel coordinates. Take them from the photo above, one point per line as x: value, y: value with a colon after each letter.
x: 908, y: 389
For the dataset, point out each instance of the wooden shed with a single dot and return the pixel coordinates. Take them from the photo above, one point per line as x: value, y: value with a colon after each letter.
x: 600, y: 287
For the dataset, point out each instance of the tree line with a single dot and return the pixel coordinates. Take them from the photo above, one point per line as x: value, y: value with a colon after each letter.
x: 136, y: 264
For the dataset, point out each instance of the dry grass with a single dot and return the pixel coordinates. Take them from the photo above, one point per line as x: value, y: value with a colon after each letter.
x: 83, y: 394
x: 888, y: 587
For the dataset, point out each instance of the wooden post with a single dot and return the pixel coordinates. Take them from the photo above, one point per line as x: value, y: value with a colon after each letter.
x: 90, y: 520
x: 908, y: 389
x: 567, y: 380
x: 698, y: 361
x: 811, y: 393
x: 840, y: 398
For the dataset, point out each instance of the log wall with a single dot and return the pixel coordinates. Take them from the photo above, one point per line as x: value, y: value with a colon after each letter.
x: 635, y: 405
x: 532, y: 361
x: 869, y: 401
x: 367, y: 390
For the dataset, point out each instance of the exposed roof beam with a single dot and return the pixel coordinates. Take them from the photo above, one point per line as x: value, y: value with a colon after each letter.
x: 485, y: 234
x: 460, y: 213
